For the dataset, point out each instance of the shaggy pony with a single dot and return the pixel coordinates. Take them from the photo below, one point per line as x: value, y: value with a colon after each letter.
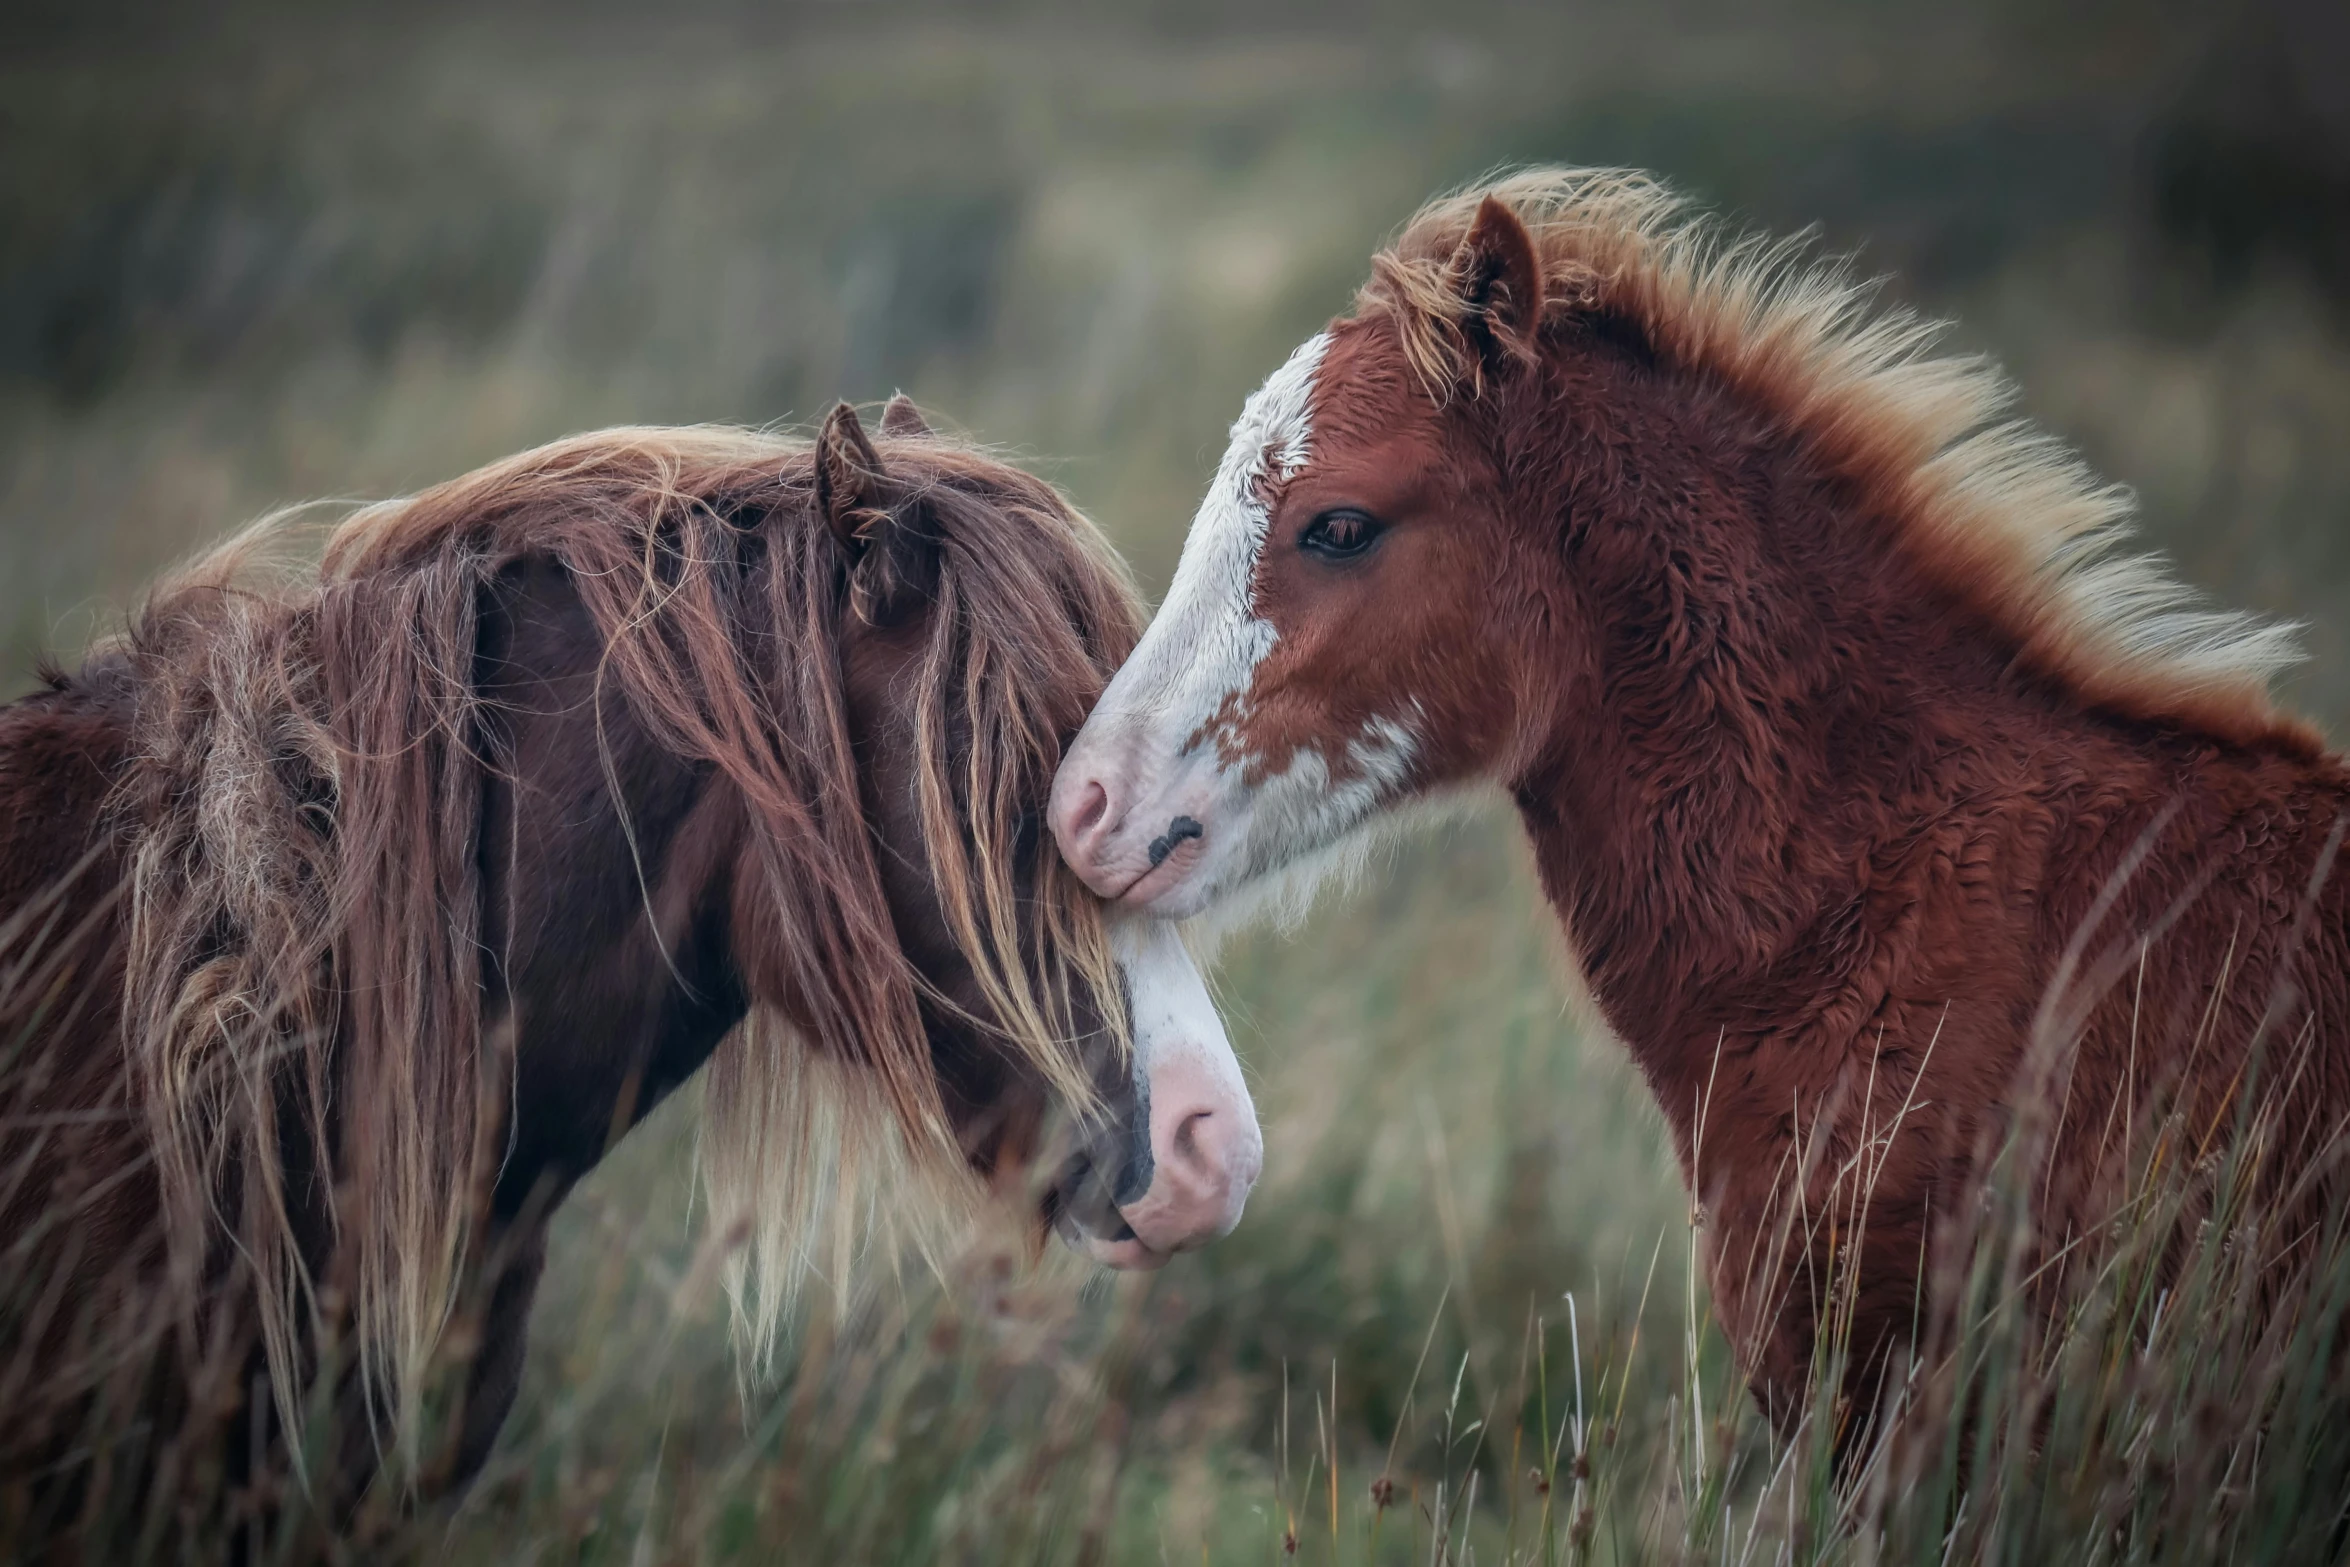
x: 255, y: 973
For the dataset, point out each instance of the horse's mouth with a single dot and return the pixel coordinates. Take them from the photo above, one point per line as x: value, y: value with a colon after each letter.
x: 1167, y: 870
x: 1118, y: 1248
x: 1080, y: 1207
x: 1127, y: 1256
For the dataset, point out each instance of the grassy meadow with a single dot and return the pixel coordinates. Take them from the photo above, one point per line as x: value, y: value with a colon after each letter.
x: 279, y: 254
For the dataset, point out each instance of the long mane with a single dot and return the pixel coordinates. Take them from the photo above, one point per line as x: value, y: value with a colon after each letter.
x: 305, y: 982
x: 1996, y: 510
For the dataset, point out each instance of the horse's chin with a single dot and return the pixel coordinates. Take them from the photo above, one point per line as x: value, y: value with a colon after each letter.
x: 1171, y: 889
x: 1127, y: 1256
x: 1124, y: 1251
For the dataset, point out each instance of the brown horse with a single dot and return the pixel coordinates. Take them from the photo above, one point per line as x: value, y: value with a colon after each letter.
x: 353, y: 912
x: 1885, y: 806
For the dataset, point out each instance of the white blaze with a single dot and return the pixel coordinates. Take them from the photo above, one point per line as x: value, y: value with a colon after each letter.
x: 1273, y: 837
x: 1207, y: 640
x: 1174, y: 1023
x: 1206, y: 1147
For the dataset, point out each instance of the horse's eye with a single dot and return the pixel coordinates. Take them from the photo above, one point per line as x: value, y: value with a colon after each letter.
x: 1340, y: 535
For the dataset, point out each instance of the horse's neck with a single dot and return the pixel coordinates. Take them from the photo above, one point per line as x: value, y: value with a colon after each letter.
x: 607, y: 918
x: 1797, y: 789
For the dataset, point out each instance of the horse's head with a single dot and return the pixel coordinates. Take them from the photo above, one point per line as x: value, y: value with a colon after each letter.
x: 1340, y: 635
x: 979, y: 620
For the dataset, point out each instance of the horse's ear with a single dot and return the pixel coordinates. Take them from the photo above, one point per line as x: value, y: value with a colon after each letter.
x: 1500, y: 280
x: 899, y: 417
x: 848, y: 475
x: 894, y: 557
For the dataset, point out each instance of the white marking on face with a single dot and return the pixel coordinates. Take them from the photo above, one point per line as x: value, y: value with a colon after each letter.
x: 1207, y: 639
x: 1303, y: 806
x: 1148, y: 741
x: 1206, y: 1147
x: 1173, y: 1020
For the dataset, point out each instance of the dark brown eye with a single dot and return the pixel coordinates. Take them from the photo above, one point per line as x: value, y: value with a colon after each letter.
x: 1343, y: 534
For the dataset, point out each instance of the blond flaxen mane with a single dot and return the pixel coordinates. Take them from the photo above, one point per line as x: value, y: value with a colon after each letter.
x: 303, y: 817
x: 1996, y: 509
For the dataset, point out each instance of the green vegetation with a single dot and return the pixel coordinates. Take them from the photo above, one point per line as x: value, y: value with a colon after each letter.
x: 295, y: 256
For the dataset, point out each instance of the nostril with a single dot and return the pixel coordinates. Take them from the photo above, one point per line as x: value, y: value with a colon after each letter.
x: 1187, y: 1137
x: 1196, y: 1147
x: 1092, y: 806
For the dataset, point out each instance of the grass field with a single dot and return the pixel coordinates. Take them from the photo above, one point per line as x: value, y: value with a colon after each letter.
x: 281, y: 257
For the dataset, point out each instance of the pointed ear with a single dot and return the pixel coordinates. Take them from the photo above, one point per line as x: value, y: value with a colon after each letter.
x: 848, y: 476
x: 893, y: 555
x: 899, y: 417
x: 1501, y: 280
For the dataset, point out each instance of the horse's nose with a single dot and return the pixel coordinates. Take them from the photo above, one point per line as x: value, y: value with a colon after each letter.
x: 1084, y: 817
x: 1206, y: 1152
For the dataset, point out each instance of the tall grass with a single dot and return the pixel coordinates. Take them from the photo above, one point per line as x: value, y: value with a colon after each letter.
x: 1458, y: 1332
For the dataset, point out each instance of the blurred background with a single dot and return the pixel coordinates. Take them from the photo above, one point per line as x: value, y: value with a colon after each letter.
x: 254, y: 254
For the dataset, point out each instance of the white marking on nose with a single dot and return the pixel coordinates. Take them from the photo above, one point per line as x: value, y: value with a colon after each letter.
x: 1206, y: 1147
